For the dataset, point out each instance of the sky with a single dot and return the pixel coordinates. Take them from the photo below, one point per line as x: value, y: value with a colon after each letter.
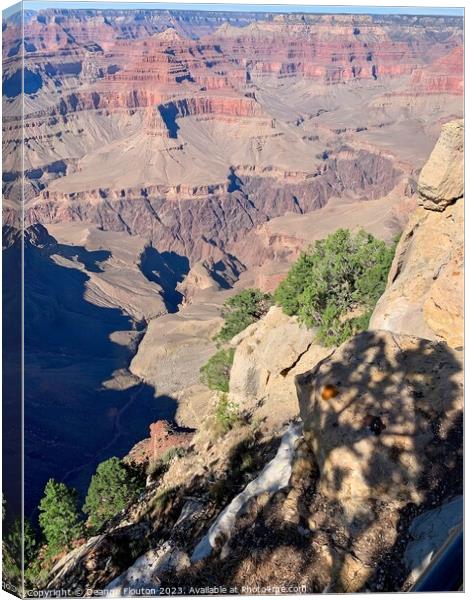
x: 410, y: 10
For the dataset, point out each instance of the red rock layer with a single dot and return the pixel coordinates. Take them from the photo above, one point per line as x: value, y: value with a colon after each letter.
x: 442, y: 76
x: 163, y: 438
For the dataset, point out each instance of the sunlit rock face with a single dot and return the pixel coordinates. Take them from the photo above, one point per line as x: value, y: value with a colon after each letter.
x: 424, y: 295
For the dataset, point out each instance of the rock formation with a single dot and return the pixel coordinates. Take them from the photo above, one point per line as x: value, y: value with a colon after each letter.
x: 381, y: 436
x: 268, y: 356
x: 384, y: 413
x: 441, y: 179
x: 424, y: 295
x: 163, y: 437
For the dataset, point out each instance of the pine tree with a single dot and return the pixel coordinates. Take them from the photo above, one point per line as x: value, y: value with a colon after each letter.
x: 58, y: 515
x: 112, y: 487
x: 18, y: 536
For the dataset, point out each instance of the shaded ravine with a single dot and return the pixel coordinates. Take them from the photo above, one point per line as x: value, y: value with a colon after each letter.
x: 70, y: 413
x: 68, y: 477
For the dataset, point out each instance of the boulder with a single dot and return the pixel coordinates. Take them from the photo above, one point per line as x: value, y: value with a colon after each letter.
x: 383, y: 417
x: 441, y: 180
x: 268, y: 355
x: 144, y: 574
x: 163, y: 437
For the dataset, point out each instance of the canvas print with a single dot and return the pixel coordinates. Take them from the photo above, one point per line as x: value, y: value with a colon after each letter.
x: 232, y: 299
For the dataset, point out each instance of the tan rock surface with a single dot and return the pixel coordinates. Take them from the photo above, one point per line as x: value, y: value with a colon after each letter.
x: 441, y: 179
x: 444, y: 306
x: 424, y: 294
x: 268, y: 355
x: 391, y: 431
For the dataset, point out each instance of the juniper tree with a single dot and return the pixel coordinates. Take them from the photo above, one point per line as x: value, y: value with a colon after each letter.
x: 59, y: 517
x: 111, y: 488
x: 335, y: 285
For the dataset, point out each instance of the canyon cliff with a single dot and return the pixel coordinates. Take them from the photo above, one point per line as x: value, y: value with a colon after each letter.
x: 192, y: 130
x: 345, y: 468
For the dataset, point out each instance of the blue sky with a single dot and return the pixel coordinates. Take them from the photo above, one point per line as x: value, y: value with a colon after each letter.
x: 409, y: 10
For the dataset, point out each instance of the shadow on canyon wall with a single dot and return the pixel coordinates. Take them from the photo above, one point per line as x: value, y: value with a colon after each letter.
x: 167, y: 269
x: 11, y: 372
x: 72, y: 420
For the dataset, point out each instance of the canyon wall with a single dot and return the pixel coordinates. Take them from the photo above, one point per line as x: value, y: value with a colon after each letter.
x: 192, y: 129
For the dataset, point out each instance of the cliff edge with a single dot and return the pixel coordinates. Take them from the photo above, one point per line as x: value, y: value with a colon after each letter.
x: 424, y: 295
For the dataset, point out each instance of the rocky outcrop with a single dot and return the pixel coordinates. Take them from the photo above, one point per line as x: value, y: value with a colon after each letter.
x: 441, y: 179
x: 147, y: 570
x: 268, y: 356
x: 163, y: 437
x: 424, y: 294
x: 216, y: 272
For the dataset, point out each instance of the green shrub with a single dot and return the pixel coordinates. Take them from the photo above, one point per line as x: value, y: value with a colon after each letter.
x: 226, y: 414
x: 159, y: 466
x: 242, y: 310
x: 112, y: 487
x: 58, y: 515
x: 216, y: 372
x: 239, y: 312
x: 338, y: 275
x: 172, y: 453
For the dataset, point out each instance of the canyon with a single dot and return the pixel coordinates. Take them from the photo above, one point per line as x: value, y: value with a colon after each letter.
x: 344, y: 473
x: 173, y: 158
